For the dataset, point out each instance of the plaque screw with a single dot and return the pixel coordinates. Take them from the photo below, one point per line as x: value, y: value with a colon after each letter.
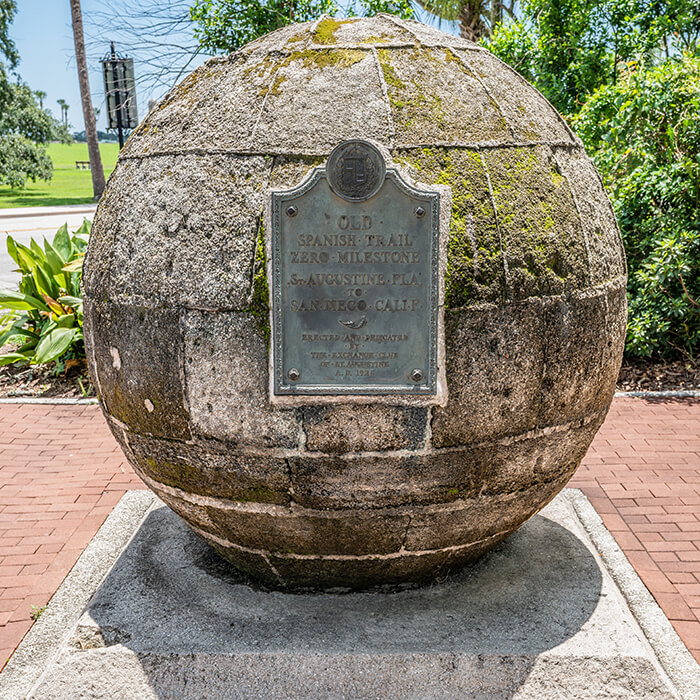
x: 292, y: 211
x: 420, y: 212
x: 294, y: 374
x: 417, y: 375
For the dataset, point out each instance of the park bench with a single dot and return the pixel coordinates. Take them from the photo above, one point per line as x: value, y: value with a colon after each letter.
x: 82, y: 165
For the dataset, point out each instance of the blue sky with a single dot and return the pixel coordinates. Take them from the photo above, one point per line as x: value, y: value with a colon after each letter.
x: 44, y: 38
x: 42, y: 32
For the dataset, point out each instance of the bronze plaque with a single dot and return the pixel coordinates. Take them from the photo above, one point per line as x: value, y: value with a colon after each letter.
x: 355, y: 274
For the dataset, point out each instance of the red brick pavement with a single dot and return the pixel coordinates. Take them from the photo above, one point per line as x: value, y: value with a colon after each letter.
x: 61, y: 473
x: 642, y: 475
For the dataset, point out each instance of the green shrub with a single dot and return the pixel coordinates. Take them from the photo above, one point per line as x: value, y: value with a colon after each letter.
x: 45, y: 317
x: 644, y: 134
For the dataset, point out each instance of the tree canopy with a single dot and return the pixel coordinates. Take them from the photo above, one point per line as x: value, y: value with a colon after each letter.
x: 627, y: 74
x: 644, y: 134
x: 226, y: 25
x: 569, y: 48
x: 24, y: 126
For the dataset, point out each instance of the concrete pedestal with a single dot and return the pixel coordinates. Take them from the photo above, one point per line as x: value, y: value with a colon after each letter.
x: 539, y: 617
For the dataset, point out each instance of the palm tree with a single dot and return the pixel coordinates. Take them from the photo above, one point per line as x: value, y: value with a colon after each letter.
x: 476, y: 18
x: 98, y: 175
x: 41, y: 96
x: 64, y: 111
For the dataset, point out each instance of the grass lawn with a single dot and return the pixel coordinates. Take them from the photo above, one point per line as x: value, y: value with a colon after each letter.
x: 68, y: 185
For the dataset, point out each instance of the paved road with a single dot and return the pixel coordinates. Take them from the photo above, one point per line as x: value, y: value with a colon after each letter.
x: 24, y: 223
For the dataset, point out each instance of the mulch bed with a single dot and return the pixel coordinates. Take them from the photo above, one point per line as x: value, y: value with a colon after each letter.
x: 74, y: 382
x: 23, y: 382
x: 659, y: 376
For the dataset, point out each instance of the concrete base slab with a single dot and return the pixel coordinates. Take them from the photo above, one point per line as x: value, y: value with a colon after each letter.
x: 539, y: 617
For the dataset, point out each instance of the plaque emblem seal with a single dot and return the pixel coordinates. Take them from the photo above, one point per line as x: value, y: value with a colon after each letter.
x: 356, y: 170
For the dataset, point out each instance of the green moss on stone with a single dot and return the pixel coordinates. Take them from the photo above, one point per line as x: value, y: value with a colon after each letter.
x: 475, y: 271
x: 377, y: 39
x: 207, y: 482
x: 542, y: 235
x: 451, y: 57
x: 390, y: 77
x: 326, y: 29
x: 426, y: 108
x: 260, y: 297
x: 317, y: 59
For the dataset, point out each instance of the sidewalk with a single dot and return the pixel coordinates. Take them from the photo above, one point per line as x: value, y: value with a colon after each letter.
x: 61, y: 473
x: 64, y: 210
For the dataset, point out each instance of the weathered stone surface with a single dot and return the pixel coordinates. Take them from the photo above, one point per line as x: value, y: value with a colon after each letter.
x: 137, y: 360
x: 226, y: 379
x: 607, y: 255
x: 382, y: 32
x: 177, y: 306
x: 581, y: 359
x: 435, y: 99
x: 377, y: 481
x: 616, y: 324
x: 222, y: 91
x: 320, y: 84
x: 535, y: 462
x: 255, y: 565
x: 542, y: 236
x: 441, y: 477
x: 221, y: 471
x: 528, y: 114
x: 178, y: 230
x: 288, y: 171
x: 358, y: 428
x: 476, y: 520
x: 494, y: 373
x: 283, y: 530
x: 475, y: 267
x: 406, y: 567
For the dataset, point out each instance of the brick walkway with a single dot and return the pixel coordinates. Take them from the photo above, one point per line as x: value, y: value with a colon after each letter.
x: 61, y: 473
x: 642, y: 475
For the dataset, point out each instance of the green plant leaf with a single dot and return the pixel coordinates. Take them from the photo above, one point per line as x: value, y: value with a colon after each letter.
x: 79, y: 244
x: 71, y: 301
x: 14, y: 331
x: 53, y: 257
x: 84, y: 229
x: 26, y: 259
x: 12, y: 357
x: 62, y: 242
x: 21, y: 302
x: 44, y: 283
x: 37, y: 252
x: 74, y: 265
x: 12, y: 249
x: 66, y: 321
x: 53, y: 345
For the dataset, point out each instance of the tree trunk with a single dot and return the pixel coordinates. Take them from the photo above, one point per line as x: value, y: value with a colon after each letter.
x: 471, y: 20
x: 98, y: 175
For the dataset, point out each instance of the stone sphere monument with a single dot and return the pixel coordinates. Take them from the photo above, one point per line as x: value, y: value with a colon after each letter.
x: 344, y: 490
